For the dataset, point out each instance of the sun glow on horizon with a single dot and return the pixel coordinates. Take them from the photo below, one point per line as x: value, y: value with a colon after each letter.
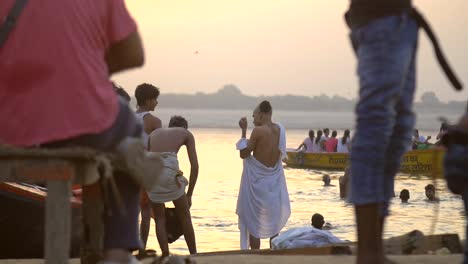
x: 299, y: 47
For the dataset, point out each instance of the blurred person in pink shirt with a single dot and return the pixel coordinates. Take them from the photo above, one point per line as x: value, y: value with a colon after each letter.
x: 332, y: 142
x: 55, y: 91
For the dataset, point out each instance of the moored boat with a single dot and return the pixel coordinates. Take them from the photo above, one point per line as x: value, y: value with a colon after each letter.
x: 22, y: 222
x: 427, y: 161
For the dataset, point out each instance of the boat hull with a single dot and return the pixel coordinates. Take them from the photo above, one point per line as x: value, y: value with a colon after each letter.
x: 22, y: 222
x: 428, y: 161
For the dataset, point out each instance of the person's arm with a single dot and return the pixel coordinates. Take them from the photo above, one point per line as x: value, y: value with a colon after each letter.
x: 151, y: 123
x: 192, y: 154
x: 427, y: 140
x: 302, y: 145
x: 125, y: 54
x: 245, y: 153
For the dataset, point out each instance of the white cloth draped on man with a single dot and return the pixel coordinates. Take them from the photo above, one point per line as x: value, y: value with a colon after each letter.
x: 263, y: 203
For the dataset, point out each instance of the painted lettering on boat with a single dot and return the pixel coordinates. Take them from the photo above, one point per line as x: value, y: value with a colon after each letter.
x: 340, y: 160
x: 410, y: 158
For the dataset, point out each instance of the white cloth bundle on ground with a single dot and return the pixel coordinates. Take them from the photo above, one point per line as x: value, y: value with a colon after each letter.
x: 303, y: 237
x: 171, y: 183
x: 263, y: 203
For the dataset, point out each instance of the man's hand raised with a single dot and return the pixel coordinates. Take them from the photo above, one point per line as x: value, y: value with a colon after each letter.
x: 243, y: 123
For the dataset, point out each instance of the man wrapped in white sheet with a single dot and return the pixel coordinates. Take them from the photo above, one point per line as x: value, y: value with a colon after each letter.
x: 263, y: 204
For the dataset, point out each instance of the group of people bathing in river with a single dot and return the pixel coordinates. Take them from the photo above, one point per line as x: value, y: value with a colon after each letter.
x: 323, y: 142
x: 430, y: 190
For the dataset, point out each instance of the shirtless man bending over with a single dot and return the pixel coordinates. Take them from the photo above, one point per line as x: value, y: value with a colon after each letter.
x: 171, y: 184
x: 263, y: 203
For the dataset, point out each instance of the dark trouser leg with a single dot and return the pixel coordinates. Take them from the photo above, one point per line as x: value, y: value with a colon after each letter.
x: 121, y: 230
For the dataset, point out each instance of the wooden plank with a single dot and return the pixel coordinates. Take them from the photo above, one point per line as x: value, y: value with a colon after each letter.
x: 58, y: 221
x: 33, y: 171
x: 41, y: 170
x: 93, y: 225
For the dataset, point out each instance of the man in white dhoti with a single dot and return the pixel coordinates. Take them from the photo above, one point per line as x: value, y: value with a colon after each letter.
x: 263, y: 203
x: 171, y: 183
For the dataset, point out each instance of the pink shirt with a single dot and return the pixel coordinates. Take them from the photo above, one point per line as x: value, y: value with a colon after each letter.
x: 54, y: 81
x: 330, y: 144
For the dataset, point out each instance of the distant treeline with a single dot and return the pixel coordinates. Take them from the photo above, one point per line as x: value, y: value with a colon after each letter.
x: 231, y: 97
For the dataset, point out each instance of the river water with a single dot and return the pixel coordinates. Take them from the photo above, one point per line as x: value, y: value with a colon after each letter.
x: 215, y: 196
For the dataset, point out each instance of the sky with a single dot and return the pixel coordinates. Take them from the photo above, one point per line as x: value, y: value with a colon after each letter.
x: 279, y: 47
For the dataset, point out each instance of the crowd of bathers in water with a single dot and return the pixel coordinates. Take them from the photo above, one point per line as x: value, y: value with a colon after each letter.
x: 404, y: 196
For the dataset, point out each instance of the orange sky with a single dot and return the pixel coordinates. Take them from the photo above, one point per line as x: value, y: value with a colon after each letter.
x: 275, y: 47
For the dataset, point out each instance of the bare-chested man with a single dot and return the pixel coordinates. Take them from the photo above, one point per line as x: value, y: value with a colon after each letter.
x: 171, y: 184
x: 263, y: 203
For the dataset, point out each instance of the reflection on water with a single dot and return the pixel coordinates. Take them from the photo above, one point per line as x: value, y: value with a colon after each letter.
x: 215, y: 197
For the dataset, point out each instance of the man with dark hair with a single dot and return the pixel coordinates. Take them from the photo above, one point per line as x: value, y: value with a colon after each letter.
x: 265, y: 107
x: 430, y: 192
x: 404, y: 196
x: 327, y: 181
x: 178, y: 121
x: 263, y: 202
x: 147, y: 100
x: 171, y: 184
x: 317, y: 221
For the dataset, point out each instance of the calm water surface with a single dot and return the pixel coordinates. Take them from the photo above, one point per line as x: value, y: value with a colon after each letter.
x: 215, y: 197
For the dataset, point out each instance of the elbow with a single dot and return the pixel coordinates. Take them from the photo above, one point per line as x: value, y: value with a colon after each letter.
x: 139, y: 59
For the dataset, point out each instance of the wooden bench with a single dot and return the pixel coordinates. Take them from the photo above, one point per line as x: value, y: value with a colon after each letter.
x: 59, y: 169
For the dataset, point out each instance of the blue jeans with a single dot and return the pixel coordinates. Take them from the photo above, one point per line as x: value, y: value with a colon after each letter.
x: 386, y: 52
x: 120, y: 230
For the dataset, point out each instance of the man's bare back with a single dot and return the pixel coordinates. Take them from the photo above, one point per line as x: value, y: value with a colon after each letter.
x: 266, y: 150
x: 264, y: 140
x: 169, y: 139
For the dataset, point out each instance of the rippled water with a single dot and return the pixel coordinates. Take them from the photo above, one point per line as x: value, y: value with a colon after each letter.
x: 215, y: 198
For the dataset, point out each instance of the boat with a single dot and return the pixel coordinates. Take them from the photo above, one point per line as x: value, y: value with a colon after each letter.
x: 425, y: 161
x: 22, y: 221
